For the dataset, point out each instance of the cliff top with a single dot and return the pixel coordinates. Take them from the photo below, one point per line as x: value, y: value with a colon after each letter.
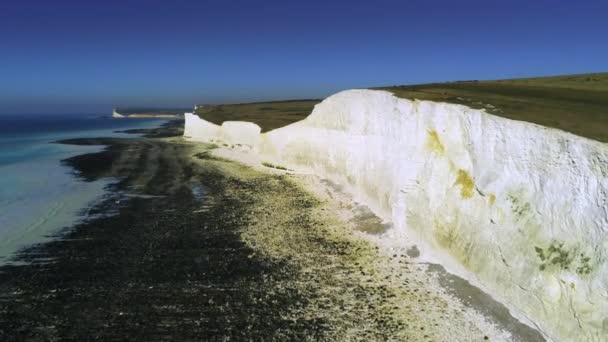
x: 574, y: 103
x: 267, y: 115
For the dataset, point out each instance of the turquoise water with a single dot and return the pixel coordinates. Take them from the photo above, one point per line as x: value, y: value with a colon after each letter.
x: 39, y: 195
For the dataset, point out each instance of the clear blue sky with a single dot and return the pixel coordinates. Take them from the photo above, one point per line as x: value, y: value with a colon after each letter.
x: 91, y: 55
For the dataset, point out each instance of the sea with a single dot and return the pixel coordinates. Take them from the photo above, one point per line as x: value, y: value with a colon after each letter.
x: 38, y: 194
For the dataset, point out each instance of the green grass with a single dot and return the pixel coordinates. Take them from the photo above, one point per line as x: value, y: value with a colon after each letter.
x: 573, y: 103
x: 267, y: 115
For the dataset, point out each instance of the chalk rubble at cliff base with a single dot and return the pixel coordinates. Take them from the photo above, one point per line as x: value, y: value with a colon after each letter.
x: 520, y: 209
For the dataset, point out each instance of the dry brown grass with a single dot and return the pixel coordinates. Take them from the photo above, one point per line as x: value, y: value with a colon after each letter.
x: 573, y: 103
x: 267, y: 115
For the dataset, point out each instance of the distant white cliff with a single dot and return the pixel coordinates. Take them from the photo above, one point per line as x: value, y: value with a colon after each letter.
x: 521, y: 207
x: 115, y: 114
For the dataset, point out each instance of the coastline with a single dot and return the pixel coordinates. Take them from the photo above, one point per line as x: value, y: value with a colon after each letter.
x: 39, y: 194
x: 190, y: 245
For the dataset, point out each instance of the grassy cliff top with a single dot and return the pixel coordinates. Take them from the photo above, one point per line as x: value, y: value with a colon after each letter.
x: 573, y: 103
x: 267, y: 115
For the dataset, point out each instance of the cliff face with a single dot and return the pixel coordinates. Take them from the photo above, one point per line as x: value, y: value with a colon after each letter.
x: 244, y: 134
x: 521, y: 207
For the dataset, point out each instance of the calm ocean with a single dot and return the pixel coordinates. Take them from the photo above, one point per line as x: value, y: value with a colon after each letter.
x: 38, y: 195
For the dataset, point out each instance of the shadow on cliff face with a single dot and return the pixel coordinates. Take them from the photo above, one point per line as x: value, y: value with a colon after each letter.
x: 364, y: 218
x: 475, y: 298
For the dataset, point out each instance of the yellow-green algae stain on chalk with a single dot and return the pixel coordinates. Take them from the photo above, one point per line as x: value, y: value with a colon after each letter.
x: 450, y: 237
x: 492, y: 199
x: 466, y: 182
x: 433, y: 143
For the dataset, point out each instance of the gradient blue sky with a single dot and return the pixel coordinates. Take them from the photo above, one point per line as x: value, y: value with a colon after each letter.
x: 88, y: 56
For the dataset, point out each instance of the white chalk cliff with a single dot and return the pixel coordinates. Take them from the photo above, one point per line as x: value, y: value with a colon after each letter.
x: 116, y: 114
x: 523, y: 208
